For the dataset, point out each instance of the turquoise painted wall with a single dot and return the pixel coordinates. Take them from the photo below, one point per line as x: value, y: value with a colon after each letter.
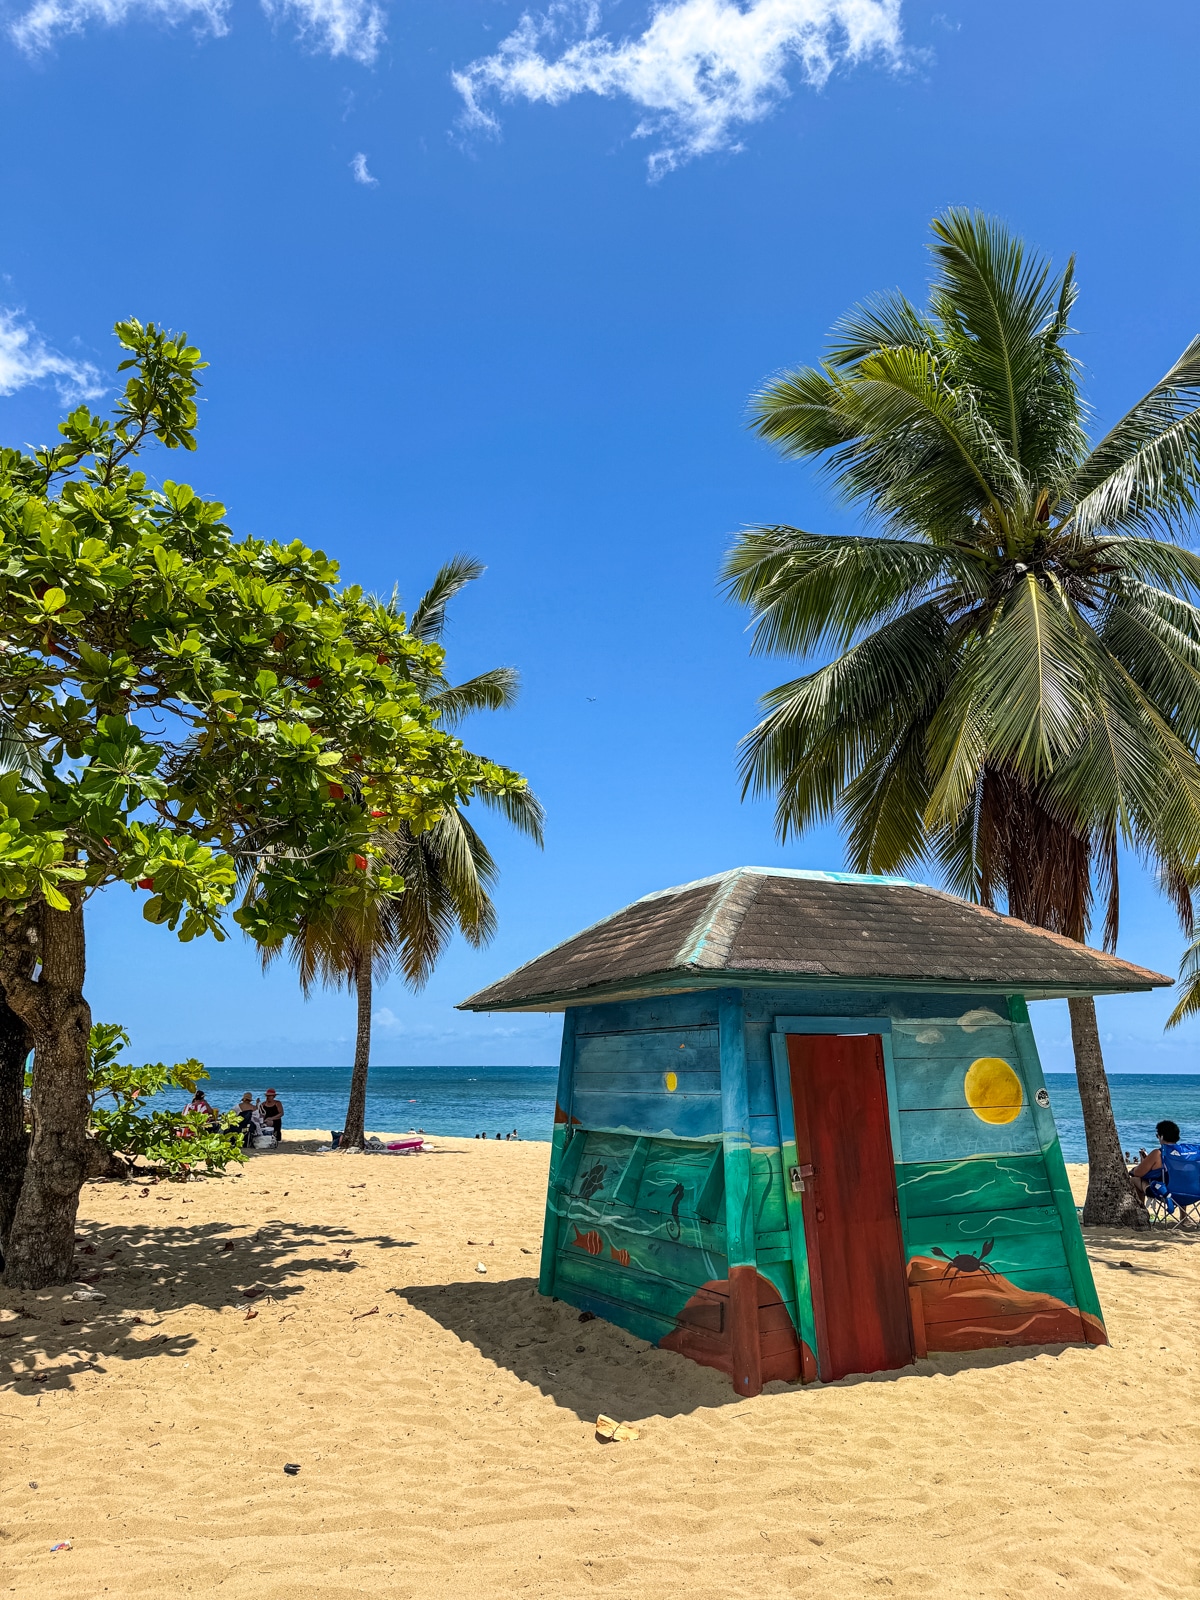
x: 636, y: 1213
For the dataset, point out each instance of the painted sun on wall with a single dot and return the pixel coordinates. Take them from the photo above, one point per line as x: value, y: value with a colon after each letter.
x: 998, y: 1277
x: 993, y: 1090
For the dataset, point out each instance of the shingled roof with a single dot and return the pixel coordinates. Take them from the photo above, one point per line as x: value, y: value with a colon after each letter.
x: 827, y: 929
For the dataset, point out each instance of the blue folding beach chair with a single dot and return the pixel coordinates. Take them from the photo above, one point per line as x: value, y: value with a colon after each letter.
x: 1174, y: 1195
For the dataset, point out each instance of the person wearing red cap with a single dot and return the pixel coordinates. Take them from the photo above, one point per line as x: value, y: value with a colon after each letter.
x: 272, y: 1115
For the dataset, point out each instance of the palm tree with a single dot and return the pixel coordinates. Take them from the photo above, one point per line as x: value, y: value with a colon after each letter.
x: 447, y: 870
x: 1015, y: 684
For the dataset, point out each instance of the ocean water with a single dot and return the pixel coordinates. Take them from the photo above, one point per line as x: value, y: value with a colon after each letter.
x: 1140, y: 1099
x: 464, y: 1101
x: 458, y: 1101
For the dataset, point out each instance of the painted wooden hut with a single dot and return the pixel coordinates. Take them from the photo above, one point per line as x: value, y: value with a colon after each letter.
x: 802, y: 1129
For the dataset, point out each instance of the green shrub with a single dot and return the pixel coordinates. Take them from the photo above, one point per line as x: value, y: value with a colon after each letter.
x: 176, y: 1143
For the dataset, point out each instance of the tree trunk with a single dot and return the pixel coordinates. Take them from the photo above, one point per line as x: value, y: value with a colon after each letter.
x: 1113, y: 1199
x: 354, y: 1133
x: 18, y: 957
x: 16, y: 1041
x: 42, y: 1241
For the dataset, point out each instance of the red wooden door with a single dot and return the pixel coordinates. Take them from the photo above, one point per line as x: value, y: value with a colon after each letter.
x: 851, y: 1216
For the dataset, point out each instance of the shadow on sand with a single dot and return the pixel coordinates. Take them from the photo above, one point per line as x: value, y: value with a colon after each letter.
x: 597, y: 1367
x: 150, y: 1269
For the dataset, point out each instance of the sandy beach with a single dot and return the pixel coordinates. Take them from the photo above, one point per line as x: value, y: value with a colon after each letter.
x: 327, y: 1311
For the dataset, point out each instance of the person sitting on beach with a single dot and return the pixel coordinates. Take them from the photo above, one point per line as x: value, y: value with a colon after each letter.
x: 245, y: 1113
x: 1149, y: 1165
x: 200, y: 1104
x: 272, y: 1115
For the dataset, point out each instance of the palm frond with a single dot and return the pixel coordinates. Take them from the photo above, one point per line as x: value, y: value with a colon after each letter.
x: 882, y: 321
x: 1188, y: 1004
x: 998, y: 301
x: 496, y: 690
x: 1026, y: 689
x: 520, y: 807
x: 797, y: 411
x: 805, y: 590
x: 1170, y: 566
x: 428, y: 620
x: 1145, y: 472
x: 922, y: 453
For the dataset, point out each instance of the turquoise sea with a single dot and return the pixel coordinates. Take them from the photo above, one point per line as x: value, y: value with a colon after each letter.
x: 464, y: 1101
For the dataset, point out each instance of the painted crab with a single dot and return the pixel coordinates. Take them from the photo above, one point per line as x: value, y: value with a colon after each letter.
x: 965, y: 1263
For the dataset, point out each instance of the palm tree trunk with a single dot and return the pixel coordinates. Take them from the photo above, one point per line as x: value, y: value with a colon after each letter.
x: 1112, y: 1199
x: 354, y: 1133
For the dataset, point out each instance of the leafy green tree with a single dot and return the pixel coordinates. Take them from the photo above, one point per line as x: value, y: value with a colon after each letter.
x: 446, y: 869
x: 185, y: 702
x: 1015, y: 684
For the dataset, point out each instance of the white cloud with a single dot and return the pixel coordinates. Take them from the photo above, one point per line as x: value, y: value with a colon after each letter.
x: 361, y: 171
x: 46, y: 19
x: 25, y: 358
x: 385, y: 1017
x: 700, y: 68
x: 353, y: 28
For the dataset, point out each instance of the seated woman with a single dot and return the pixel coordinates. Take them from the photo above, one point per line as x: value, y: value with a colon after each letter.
x: 1149, y: 1165
x: 200, y: 1104
x: 246, y: 1118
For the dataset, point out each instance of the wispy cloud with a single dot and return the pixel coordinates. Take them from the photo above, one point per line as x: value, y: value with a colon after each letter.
x: 45, y: 20
x: 699, y: 70
x: 362, y: 173
x: 353, y: 28
x: 26, y: 358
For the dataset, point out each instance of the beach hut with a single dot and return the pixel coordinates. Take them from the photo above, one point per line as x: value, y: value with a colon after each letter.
x: 802, y: 1130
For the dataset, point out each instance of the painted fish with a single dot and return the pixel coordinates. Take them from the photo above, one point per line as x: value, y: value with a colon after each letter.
x: 621, y: 1256
x: 591, y: 1242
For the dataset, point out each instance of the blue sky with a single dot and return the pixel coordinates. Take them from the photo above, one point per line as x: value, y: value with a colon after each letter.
x: 473, y: 282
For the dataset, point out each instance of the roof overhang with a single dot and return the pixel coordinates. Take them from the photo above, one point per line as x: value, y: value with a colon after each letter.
x: 696, y: 981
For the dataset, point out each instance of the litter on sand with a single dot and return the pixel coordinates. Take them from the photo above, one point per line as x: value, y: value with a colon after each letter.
x: 85, y: 1292
x: 374, y: 1311
x: 291, y: 1468
x: 609, y: 1430
x: 479, y: 1267
x: 63, y: 1544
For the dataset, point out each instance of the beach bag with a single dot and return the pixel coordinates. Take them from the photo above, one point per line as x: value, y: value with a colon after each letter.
x: 264, y: 1141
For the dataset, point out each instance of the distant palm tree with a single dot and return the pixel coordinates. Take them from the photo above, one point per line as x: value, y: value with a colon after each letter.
x: 1015, y: 689
x: 447, y: 870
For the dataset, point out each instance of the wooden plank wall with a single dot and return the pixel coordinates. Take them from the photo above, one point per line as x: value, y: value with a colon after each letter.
x: 638, y: 1211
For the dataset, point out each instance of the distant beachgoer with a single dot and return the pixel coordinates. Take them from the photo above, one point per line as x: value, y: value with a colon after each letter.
x: 200, y: 1104
x: 272, y: 1115
x: 1149, y: 1165
x: 245, y: 1113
